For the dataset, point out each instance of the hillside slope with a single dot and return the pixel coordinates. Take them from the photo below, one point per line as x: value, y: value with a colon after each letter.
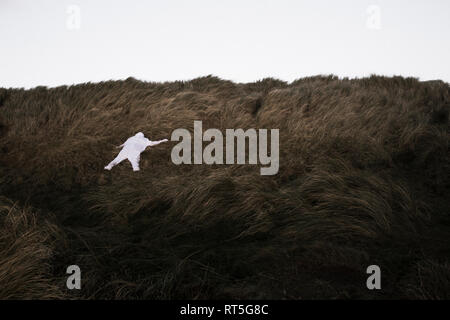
x: 363, y: 179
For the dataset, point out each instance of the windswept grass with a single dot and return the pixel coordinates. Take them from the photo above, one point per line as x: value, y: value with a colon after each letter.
x: 26, y: 253
x: 363, y: 179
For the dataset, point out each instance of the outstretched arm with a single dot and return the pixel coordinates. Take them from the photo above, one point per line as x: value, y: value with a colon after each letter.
x: 154, y: 143
x: 123, y: 144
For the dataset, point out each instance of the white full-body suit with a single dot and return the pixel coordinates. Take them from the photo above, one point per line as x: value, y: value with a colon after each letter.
x: 132, y: 149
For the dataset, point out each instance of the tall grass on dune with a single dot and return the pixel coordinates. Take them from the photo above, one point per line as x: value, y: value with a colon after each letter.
x: 363, y: 179
x: 26, y: 253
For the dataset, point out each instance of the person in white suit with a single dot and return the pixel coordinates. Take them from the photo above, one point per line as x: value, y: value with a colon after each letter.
x: 132, y: 149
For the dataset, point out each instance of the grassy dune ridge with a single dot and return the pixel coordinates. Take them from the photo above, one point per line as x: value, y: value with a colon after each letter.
x: 364, y: 179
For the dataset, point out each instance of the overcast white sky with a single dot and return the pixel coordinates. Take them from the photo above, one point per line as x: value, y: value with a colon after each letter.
x: 50, y: 42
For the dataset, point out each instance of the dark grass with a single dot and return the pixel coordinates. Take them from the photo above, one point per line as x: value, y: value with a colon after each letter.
x: 363, y: 179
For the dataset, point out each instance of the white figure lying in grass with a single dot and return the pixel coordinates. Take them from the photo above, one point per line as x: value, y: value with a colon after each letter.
x: 132, y: 149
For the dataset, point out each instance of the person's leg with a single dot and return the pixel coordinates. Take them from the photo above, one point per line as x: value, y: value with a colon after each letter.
x: 135, y: 162
x: 116, y: 161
